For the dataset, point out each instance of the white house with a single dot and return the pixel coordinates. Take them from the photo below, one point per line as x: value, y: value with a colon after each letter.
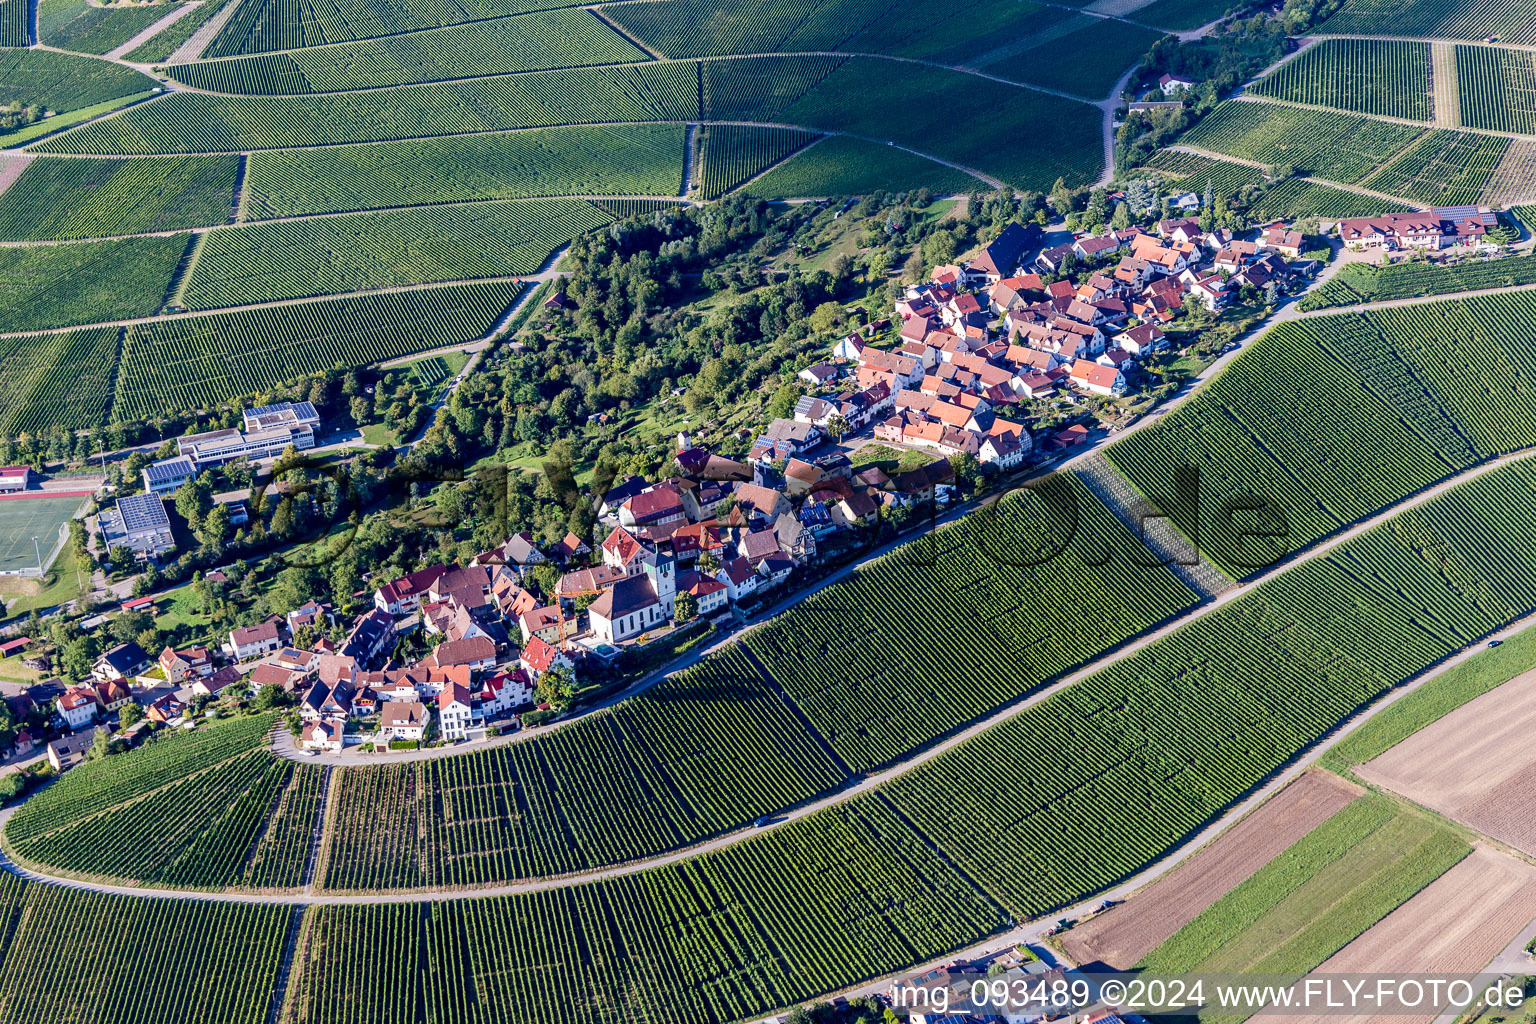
x: 404, y: 721
x: 454, y: 713
x: 739, y: 579
x: 539, y: 657
x: 1001, y: 450
x: 629, y: 608
x: 1099, y: 380
x: 77, y: 706
x: 322, y: 736
x: 709, y: 593
x: 253, y: 641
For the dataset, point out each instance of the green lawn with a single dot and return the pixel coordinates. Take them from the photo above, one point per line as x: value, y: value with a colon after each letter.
x: 378, y: 433
x: 58, y: 122
x: 891, y: 460
x: 61, y: 583
x: 1317, y: 896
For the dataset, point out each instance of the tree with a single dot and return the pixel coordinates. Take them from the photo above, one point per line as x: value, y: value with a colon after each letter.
x: 193, y: 499
x: 967, y: 468
x: 685, y: 608
x: 268, y: 697
x: 913, y: 270
x: 555, y: 687
x: 361, y: 409
x: 1122, y: 218
x: 826, y: 317
x: 101, y: 746
x: 215, y: 531
x: 547, y: 578
x: 837, y: 426
x: 1061, y: 198
x: 782, y: 404
x: 879, y: 264
x: 129, y: 715
x: 119, y: 555
x: 939, y: 248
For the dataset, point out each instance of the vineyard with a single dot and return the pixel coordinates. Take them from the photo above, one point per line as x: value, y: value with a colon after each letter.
x: 14, y: 16
x: 101, y: 785
x: 1369, y: 76
x: 820, y: 93
x: 1195, y: 173
x: 1181, y: 15
x: 1161, y: 743
x: 78, y: 957
x: 1446, y: 168
x: 533, y: 42
x: 1497, y: 88
x: 1340, y: 147
x: 832, y: 94
x: 357, y: 252
x: 1298, y: 197
x: 162, y: 44
x: 1168, y: 738
x: 647, y: 776
x: 972, y: 33
x: 640, y: 159
x: 244, y: 822
x: 838, y: 165
x: 730, y: 154
x: 57, y: 380
x: 879, y: 683
x: 84, y: 282
x: 261, y: 25
x: 95, y: 198
x: 1288, y: 198
x: 851, y: 892
x: 1457, y: 348
x: 186, y: 122
x: 1086, y: 62
x: 90, y: 28
x: 1294, y: 443
x: 204, y: 810
x: 62, y: 82
x: 1358, y: 282
x: 197, y: 362
x: 1512, y: 21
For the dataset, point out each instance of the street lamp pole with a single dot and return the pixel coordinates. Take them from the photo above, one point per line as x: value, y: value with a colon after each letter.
x: 39, y: 555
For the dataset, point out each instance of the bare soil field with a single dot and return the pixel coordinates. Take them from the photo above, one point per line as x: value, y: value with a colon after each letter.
x: 1456, y: 924
x: 1123, y: 935
x: 1474, y: 765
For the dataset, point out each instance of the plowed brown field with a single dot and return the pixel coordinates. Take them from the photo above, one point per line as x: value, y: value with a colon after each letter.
x: 1456, y: 924
x: 1123, y: 935
x: 1474, y: 765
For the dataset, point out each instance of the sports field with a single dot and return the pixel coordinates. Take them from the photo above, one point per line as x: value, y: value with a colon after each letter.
x: 22, y: 518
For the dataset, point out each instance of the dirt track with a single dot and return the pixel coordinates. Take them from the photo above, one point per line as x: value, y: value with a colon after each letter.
x: 1456, y: 924
x: 1474, y: 765
x: 1129, y: 932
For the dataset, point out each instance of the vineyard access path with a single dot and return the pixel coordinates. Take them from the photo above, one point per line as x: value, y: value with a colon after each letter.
x: 1031, y: 932
x: 1426, y: 125
x: 199, y: 40
x: 149, y: 33
x: 1359, y: 190
x: 1417, y: 300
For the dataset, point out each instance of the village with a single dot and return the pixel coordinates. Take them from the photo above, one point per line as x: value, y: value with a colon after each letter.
x: 949, y: 382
